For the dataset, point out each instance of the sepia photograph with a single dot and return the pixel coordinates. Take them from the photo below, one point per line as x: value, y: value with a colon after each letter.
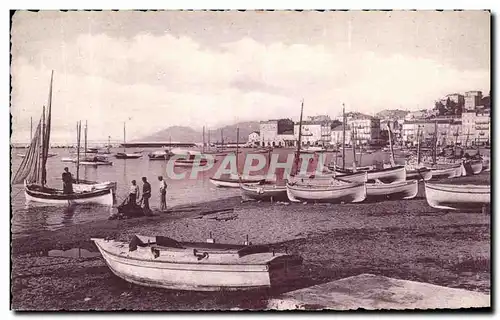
x: 262, y: 160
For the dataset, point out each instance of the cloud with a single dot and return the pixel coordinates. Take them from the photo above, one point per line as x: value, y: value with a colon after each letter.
x: 153, y: 82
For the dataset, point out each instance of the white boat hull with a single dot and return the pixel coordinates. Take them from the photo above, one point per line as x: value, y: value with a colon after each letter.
x: 419, y: 174
x: 388, y: 175
x: 234, y: 183
x: 345, y: 192
x: 263, y: 192
x: 400, y: 190
x: 90, y: 163
x: 450, y: 172
x: 181, y: 269
x: 454, y: 197
x: 104, y: 198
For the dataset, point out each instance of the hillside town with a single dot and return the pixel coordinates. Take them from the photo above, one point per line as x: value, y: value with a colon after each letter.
x: 462, y: 119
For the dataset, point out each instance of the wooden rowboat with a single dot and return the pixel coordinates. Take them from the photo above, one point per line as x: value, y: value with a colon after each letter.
x: 166, y: 263
x: 338, y: 191
x: 233, y: 181
x: 263, y: 192
x: 454, y: 197
x: 395, y: 190
x: 448, y: 172
x: 35, y: 193
x: 133, y: 155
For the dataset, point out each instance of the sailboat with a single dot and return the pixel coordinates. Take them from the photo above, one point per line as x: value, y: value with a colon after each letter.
x: 125, y: 154
x: 218, y: 152
x: 335, y: 190
x: 234, y: 180
x: 415, y: 171
x: 94, y: 160
x: 33, y: 170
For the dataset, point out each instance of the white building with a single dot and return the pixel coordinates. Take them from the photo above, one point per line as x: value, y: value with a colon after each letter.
x: 254, y: 138
x: 277, y: 133
x: 472, y: 100
x: 338, y: 133
x: 314, y: 132
x: 366, y: 130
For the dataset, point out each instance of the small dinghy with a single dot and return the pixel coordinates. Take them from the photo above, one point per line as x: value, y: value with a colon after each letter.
x: 338, y: 191
x: 160, y: 155
x: 166, y: 263
x: 264, y: 192
x: 455, y: 197
x: 394, y: 190
x: 96, y: 161
x: 128, y: 155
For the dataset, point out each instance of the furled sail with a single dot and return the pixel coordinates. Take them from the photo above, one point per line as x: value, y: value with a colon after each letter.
x: 29, y: 169
x: 46, y: 134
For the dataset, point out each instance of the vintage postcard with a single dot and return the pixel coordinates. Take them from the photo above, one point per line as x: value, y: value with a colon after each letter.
x: 250, y: 160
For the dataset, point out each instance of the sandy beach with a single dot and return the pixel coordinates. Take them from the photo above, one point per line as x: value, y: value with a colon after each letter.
x: 402, y: 239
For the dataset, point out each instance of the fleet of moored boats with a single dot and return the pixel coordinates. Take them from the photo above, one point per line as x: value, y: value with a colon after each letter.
x: 167, y: 263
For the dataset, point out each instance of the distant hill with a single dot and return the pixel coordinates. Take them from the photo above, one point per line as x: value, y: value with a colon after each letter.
x: 187, y: 134
x: 392, y: 114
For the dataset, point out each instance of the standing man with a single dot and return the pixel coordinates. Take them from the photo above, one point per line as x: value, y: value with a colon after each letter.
x: 133, y: 193
x: 67, y: 179
x: 146, y: 193
x: 163, y: 194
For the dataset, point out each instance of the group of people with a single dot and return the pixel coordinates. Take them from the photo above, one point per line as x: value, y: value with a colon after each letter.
x: 146, y: 193
x: 67, y: 179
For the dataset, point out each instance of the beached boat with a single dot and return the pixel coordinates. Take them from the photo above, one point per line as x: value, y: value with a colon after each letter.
x: 81, y: 185
x: 234, y: 181
x: 422, y: 173
x: 386, y: 175
x: 166, y: 263
x: 454, y: 197
x: 486, y: 163
x: 474, y: 166
x: 34, y: 174
x: 449, y: 172
x: 337, y: 191
x: 394, y: 190
x: 327, y: 177
x: 263, y: 192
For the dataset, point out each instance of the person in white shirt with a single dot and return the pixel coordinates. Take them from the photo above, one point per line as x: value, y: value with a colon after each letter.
x: 133, y: 193
x: 163, y: 194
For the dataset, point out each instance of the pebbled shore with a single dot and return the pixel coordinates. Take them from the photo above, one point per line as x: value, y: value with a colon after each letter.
x: 400, y: 239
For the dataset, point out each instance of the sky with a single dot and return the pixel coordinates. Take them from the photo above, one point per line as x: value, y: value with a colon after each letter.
x: 153, y: 70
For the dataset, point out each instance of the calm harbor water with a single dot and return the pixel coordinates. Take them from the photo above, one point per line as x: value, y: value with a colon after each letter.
x: 26, y: 220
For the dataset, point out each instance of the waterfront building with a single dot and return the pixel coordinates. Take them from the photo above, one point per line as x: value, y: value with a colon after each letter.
x: 254, y: 138
x: 472, y: 100
x: 337, y: 135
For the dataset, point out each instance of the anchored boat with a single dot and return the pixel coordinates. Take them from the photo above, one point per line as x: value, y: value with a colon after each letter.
x: 33, y: 170
x: 454, y: 197
x: 166, y: 263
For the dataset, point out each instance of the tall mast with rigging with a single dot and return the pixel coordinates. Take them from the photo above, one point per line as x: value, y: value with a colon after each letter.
x: 343, y: 136
x: 297, y: 155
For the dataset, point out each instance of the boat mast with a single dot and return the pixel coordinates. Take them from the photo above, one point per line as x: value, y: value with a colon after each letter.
x: 455, y: 145
x: 221, y: 140
x: 78, y: 134
x: 354, y: 140
x: 343, y: 136
x: 85, y: 143
x: 203, y: 147
x: 435, y: 141
x: 46, y: 131
x: 237, y: 150
x: 391, y: 145
x: 297, y: 155
x: 418, y: 144
x: 208, y: 141
x: 109, y: 144
x: 42, y: 136
x: 124, y: 136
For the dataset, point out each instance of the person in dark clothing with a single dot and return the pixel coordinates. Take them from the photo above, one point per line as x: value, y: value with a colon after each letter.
x: 146, y: 193
x: 67, y: 179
